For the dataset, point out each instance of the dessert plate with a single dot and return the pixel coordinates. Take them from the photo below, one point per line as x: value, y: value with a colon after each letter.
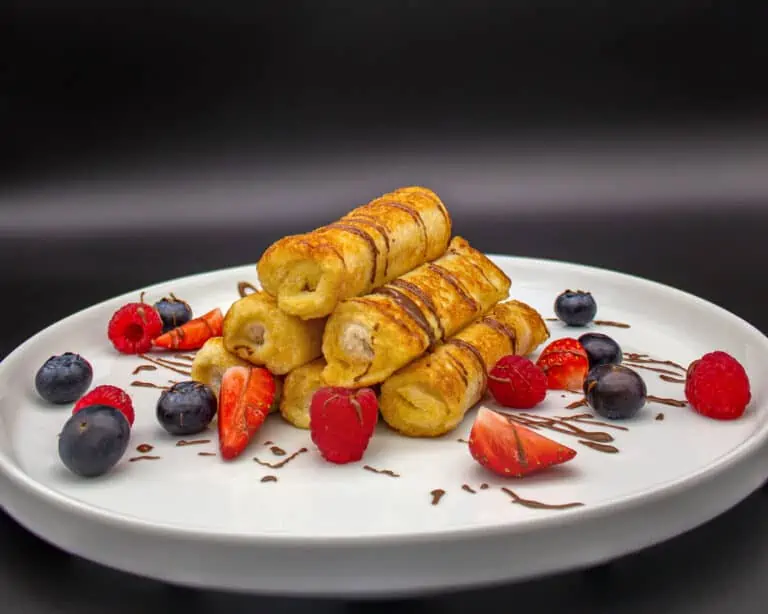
x: 415, y: 515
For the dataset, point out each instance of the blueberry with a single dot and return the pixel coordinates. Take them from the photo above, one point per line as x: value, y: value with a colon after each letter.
x: 601, y: 349
x: 187, y: 408
x: 575, y: 307
x: 173, y: 312
x: 615, y: 391
x: 64, y: 378
x: 93, y: 440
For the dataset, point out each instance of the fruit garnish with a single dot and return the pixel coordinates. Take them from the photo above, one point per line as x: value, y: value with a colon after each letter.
x: 93, y: 440
x: 173, y: 312
x: 211, y: 361
x: 245, y: 397
x: 517, y: 382
x: 615, y: 391
x: 512, y: 450
x: 186, y: 408
x: 133, y: 327
x: 601, y: 349
x: 717, y: 386
x: 565, y: 364
x: 63, y: 378
x: 575, y: 307
x: 108, y: 395
x: 193, y: 334
x: 342, y: 421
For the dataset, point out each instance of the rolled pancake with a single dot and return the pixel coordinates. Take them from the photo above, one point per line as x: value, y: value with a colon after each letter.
x: 257, y: 331
x: 430, y: 396
x: 213, y: 359
x: 311, y: 273
x: 368, y: 338
x: 298, y: 388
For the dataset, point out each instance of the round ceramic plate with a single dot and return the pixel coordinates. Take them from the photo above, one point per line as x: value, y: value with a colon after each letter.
x: 188, y: 517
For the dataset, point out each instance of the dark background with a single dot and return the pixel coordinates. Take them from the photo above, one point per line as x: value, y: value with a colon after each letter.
x: 142, y: 141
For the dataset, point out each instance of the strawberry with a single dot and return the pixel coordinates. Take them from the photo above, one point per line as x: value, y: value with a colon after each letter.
x: 516, y: 382
x: 245, y: 397
x: 510, y: 449
x: 342, y: 421
x: 565, y: 364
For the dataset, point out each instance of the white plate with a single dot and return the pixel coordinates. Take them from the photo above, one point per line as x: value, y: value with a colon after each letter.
x: 326, y: 529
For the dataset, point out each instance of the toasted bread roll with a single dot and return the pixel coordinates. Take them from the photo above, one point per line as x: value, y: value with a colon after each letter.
x: 257, y: 331
x: 310, y: 273
x: 368, y: 338
x: 299, y: 386
x: 430, y: 396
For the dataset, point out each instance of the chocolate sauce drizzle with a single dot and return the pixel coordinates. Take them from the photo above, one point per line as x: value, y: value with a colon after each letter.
x: 672, y: 380
x: 143, y: 448
x: 277, y: 451
x: 659, y: 416
x: 140, y: 384
x: 558, y: 425
x: 600, y: 447
x: 437, y: 494
x: 504, y: 330
x: 269, y: 478
x: 468, y: 488
x: 424, y: 298
x: 414, y: 215
x: 143, y: 457
x: 283, y: 462
x: 388, y: 472
x: 242, y: 286
x: 611, y: 323
x: 358, y: 232
x: 371, y: 222
x: 455, y: 283
x: 411, y: 308
x: 141, y: 368
x: 194, y: 442
x: 167, y: 364
x: 538, y: 505
x: 666, y: 401
x: 460, y: 343
x: 460, y: 368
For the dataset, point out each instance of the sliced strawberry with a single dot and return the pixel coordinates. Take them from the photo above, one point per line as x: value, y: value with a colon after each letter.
x: 512, y: 450
x: 245, y: 397
x: 193, y: 334
x: 565, y: 364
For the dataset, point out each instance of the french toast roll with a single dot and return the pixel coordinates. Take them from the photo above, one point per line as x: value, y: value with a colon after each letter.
x: 430, y: 396
x: 213, y: 359
x: 298, y: 388
x: 310, y: 273
x: 368, y: 338
x: 257, y: 331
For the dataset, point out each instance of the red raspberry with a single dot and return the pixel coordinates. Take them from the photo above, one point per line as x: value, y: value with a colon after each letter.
x: 342, y: 422
x: 518, y: 383
x: 133, y: 327
x: 108, y: 395
x: 717, y: 386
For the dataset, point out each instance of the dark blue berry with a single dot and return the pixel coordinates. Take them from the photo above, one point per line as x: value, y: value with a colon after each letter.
x: 601, y: 349
x: 173, y: 312
x: 575, y: 307
x: 93, y: 440
x: 63, y: 378
x: 615, y: 391
x: 186, y: 408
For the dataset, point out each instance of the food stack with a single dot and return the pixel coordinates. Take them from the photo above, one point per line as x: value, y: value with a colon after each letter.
x: 383, y: 298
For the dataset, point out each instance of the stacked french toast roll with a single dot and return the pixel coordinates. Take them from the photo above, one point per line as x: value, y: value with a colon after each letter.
x: 385, y: 297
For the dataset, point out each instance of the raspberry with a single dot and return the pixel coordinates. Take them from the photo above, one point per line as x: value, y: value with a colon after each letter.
x: 717, y: 386
x: 108, y: 395
x: 133, y: 327
x: 518, y: 383
x: 342, y: 422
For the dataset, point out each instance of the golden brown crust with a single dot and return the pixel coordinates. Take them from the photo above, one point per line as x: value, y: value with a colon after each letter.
x: 311, y: 273
x: 257, y: 331
x: 430, y: 396
x: 298, y: 388
x: 368, y: 338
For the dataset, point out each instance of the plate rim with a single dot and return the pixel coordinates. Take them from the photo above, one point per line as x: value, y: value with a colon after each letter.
x: 741, y: 453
